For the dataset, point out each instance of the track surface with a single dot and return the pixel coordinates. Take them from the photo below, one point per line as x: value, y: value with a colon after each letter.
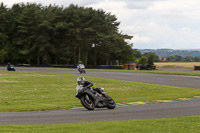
x: 147, y: 111
x: 173, y: 80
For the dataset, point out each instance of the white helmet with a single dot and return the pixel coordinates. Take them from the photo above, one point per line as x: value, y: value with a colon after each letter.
x: 80, y: 80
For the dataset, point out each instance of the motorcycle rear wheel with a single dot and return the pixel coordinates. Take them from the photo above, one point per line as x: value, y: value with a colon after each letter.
x: 84, y: 71
x: 87, y: 102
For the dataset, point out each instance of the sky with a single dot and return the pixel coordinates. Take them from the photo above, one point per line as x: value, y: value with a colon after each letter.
x: 154, y: 24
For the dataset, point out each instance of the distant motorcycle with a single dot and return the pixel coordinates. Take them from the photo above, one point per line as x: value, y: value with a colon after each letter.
x: 11, y: 68
x: 91, y: 99
x: 81, y: 70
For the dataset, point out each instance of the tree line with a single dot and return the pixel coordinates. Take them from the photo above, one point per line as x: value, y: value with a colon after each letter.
x: 35, y: 34
x: 151, y: 57
x: 146, y: 58
x: 171, y: 52
x: 177, y: 58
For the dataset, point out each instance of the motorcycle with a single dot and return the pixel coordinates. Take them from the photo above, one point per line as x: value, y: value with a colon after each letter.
x: 81, y: 70
x: 11, y: 68
x: 91, y: 99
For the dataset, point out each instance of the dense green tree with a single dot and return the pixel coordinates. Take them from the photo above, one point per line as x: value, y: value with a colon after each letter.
x: 36, y: 34
x: 138, y: 54
x: 151, y: 57
x: 149, y: 54
x: 143, y: 60
x: 4, y: 34
x: 177, y: 58
x: 174, y: 58
x: 196, y: 59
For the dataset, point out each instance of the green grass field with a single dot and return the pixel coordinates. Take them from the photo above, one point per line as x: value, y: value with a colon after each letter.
x: 26, y: 91
x: 189, y: 124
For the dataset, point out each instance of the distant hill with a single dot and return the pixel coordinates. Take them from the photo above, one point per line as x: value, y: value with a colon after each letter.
x: 169, y: 52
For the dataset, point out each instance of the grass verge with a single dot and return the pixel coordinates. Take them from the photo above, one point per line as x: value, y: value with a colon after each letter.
x: 187, y: 73
x: 26, y: 91
x: 190, y: 124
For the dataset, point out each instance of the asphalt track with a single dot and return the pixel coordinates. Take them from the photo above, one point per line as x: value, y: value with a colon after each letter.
x: 146, y: 111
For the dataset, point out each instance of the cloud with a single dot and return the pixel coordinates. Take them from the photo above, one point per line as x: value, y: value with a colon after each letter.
x: 153, y: 23
x: 168, y: 24
x: 109, y: 5
x: 141, y: 39
x: 153, y: 35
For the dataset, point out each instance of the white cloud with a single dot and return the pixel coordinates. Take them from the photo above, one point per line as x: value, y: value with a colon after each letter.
x: 141, y: 39
x: 153, y: 23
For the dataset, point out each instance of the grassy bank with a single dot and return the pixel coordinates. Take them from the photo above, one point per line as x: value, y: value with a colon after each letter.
x: 26, y: 91
x: 189, y: 124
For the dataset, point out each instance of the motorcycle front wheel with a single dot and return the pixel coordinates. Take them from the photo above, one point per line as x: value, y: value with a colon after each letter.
x: 110, y: 102
x: 87, y: 102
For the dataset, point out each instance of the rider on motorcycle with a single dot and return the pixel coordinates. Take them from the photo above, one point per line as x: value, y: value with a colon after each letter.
x: 80, y: 65
x: 8, y: 65
x: 86, y: 84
